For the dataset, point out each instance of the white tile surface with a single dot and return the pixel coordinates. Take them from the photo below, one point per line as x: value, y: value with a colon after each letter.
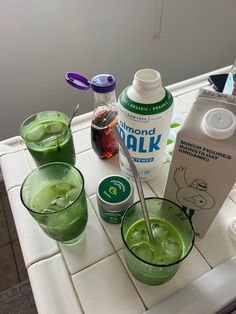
x: 209, y: 293
x: 158, y: 185
x: 95, y: 169
x: 35, y: 244
x: 189, y: 98
x: 113, y: 230
x: 194, y: 266
x: 180, y: 106
x: 52, y: 287
x: 93, y: 247
x: 217, y: 246
x: 105, y: 288
x: 10, y: 145
x: 15, y: 168
x: 187, y: 86
x: 81, y: 121
x: 82, y: 140
x: 30, y: 159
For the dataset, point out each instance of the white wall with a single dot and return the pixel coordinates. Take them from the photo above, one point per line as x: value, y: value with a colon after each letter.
x: 40, y: 40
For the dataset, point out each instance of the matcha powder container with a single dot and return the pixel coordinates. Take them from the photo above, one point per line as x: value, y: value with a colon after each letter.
x: 115, y: 194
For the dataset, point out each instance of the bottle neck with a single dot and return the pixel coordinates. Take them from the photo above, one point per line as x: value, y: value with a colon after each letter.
x: 147, y: 80
x: 147, y: 87
x: 105, y: 99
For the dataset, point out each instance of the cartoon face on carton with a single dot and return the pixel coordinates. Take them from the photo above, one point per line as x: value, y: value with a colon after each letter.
x: 193, y: 196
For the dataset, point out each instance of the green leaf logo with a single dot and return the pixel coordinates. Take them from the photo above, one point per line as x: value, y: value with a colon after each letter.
x: 113, y: 190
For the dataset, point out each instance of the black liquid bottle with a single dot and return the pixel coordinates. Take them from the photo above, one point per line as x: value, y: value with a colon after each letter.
x: 103, y: 140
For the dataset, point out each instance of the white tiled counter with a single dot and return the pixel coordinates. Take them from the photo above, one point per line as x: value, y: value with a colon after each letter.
x: 91, y: 276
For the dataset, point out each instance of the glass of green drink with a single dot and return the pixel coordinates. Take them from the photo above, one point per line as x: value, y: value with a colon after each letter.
x: 54, y: 195
x: 48, y: 137
x: 157, y: 262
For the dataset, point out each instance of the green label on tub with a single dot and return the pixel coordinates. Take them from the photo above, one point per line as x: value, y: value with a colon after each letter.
x: 111, y: 217
x: 114, y: 189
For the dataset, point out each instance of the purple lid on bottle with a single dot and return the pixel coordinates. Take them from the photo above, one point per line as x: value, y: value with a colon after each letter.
x: 77, y: 80
x: 102, y: 83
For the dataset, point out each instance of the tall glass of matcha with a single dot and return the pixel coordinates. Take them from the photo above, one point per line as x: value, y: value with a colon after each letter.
x: 54, y: 195
x: 48, y: 137
x: 154, y: 263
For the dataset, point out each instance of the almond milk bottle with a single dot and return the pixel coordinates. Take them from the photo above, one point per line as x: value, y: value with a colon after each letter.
x: 144, y: 114
x: 203, y: 167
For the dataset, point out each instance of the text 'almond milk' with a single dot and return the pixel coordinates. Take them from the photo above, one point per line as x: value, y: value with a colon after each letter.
x: 144, y: 114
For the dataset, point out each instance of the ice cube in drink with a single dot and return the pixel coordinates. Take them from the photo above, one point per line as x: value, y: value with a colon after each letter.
x: 167, y: 247
x: 63, y: 217
x: 48, y: 138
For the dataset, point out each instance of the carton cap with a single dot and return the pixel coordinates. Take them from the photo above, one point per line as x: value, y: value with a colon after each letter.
x: 219, y: 123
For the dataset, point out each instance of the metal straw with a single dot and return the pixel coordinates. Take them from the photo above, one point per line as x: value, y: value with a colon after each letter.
x: 137, y: 181
x: 73, y: 114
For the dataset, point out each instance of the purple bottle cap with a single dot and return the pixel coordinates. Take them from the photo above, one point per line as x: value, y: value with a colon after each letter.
x: 102, y: 83
x: 78, y: 81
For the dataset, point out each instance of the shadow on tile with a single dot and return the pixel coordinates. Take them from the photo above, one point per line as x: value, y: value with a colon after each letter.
x: 8, y: 271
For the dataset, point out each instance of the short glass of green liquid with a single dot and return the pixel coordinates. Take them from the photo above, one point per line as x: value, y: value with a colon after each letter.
x: 54, y: 195
x: 154, y: 263
x: 48, y: 137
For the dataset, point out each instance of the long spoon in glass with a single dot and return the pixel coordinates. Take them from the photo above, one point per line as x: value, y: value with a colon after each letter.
x: 73, y: 114
x: 136, y: 178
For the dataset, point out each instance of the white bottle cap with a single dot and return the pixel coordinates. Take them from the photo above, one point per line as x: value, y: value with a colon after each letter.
x: 219, y: 123
x: 147, y: 79
x: 232, y: 229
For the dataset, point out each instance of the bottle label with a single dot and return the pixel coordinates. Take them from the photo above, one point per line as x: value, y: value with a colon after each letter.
x: 145, y: 109
x: 147, y: 141
x: 144, y: 129
x: 103, y: 140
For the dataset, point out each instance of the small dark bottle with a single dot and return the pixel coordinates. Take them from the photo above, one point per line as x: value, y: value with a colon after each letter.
x: 103, y: 140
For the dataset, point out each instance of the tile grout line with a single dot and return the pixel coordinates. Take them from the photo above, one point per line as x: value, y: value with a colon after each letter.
x: 43, y: 258
x: 113, y: 253
x: 116, y: 252
x: 92, y: 264
x: 83, y: 151
x: 136, y: 289
x: 152, y: 189
x: 82, y: 129
x: 211, y: 267
x: 72, y: 283
x: 14, y: 256
x: 99, y: 219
